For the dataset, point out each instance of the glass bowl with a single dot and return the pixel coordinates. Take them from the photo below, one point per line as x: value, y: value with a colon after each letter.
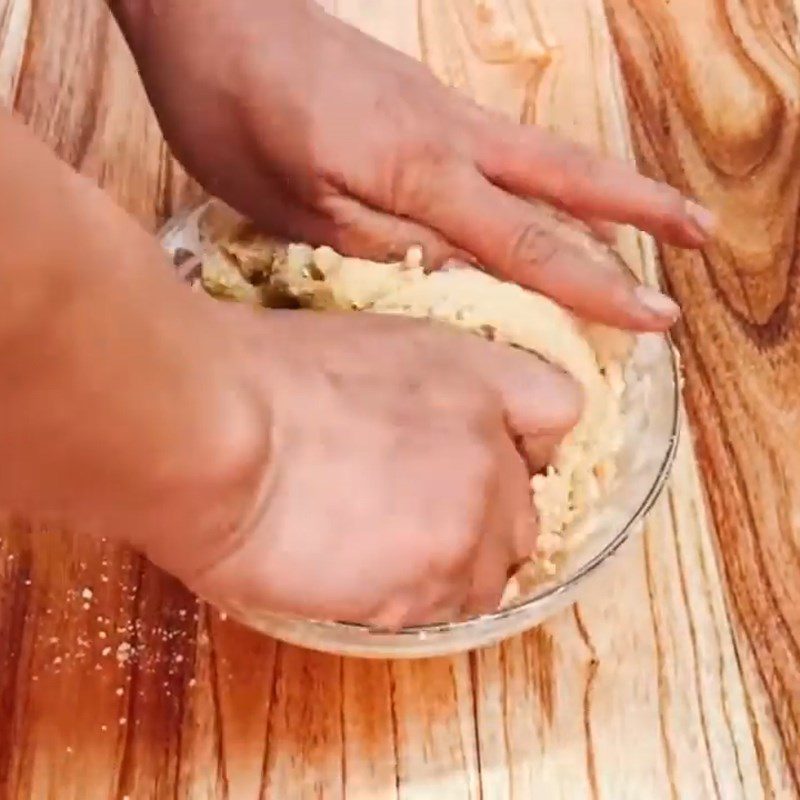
x: 653, y: 420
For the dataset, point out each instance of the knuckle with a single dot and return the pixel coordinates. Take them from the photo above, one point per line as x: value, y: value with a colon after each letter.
x: 415, y: 174
x: 347, y: 228
x: 568, y: 169
x: 580, y: 168
x: 356, y: 230
x: 533, y: 247
x: 584, y: 166
x: 342, y: 213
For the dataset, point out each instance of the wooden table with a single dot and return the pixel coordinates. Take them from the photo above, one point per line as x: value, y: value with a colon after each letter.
x: 679, y: 677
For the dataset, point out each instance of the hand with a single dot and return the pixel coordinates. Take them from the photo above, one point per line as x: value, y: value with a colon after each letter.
x: 394, y: 493
x: 322, y: 134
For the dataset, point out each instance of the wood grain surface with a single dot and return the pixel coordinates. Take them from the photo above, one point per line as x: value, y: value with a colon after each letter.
x: 678, y: 674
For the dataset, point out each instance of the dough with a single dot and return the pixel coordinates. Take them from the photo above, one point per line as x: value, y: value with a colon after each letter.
x: 259, y: 270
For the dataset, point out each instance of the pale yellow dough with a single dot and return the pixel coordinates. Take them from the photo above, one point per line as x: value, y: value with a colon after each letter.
x: 584, y: 465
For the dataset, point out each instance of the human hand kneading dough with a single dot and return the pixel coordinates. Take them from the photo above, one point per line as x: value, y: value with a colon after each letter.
x: 322, y: 134
x: 390, y: 497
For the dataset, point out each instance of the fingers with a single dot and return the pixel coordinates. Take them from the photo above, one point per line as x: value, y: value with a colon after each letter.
x: 530, y: 161
x: 541, y: 402
x: 347, y: 225
x: 354, y: 229
x: 515, y: 520
x: 509, y: 536
x: 489, y: 578
x: 500, y: 534
x: 522, y: 242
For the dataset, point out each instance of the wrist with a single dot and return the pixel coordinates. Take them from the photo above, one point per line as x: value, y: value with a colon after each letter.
x: 202, y: 505
x: 194, y: 461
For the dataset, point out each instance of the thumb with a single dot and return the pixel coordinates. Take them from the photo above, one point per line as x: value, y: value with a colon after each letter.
x: 542, y: 402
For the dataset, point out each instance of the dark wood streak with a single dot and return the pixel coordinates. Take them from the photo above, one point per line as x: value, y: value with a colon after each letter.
x: 591, y: 674
x: 663, y: 685
x: 395, y: 727
x: 761, y: 756
x: 540, y: 660
x: 698, y: 690
x: 343, y: 726
x: 718, y: 640
x: 15, y: 601
x: 164, y: 209
x: 508, y: 739
x: 219, y: 740
x: 265, y: 763
x: 474, y: 678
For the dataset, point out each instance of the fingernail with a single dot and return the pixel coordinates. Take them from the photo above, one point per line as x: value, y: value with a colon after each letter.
x: 703, y: 221
x: 658, y: 303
